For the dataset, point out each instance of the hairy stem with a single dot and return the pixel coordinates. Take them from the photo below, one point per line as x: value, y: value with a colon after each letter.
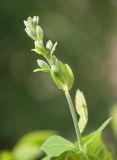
x: 75, y: 121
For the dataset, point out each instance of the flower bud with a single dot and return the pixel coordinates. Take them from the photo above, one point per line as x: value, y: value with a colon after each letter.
x: 39, y: 33
x: 39, y: 48
x: 33, y: 30
x: 36, y: 20
x: 32, y: 25
x: 49, y: 45
x: 30, y: 33
x: 62, y: 75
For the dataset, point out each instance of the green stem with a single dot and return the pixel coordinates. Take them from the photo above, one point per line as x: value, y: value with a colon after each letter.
x: 85, y: 156
x: 75, y: 121
x: 74, y: 117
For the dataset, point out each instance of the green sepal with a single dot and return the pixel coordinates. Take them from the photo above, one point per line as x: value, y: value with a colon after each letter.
x: 53, y: 48
x: 40, y: 51
x: 41, y: 70
x: 39, y: 48
x: 50, y: 47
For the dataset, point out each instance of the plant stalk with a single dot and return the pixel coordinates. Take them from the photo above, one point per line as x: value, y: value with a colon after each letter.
x: 75, y: 121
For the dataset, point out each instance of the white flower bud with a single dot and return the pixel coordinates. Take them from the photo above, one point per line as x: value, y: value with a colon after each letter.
x: 39, y: 33
x: 35, y: 20
x: 49, y: 45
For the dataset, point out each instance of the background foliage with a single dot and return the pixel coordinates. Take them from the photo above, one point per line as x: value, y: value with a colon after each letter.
x: 87, y: 36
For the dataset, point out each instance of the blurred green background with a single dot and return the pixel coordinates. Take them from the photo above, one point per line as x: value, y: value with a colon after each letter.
x: 86, y: 31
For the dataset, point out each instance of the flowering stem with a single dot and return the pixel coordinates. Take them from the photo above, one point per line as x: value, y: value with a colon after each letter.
x: 75, y: 121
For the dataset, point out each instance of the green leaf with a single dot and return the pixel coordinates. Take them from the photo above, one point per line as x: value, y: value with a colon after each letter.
x: 74, y: 156
x: 81, y: 108
x: 69, y: 76
x: 94, y: 146
x: 97, y: 132
x: 6, y: 155
x: 28, y: 147
x: 56, y: 145
x: 62, y: 75
x: 46, y: 158
x: 63, y: 156
x: 56, y: 76
x: 97, y: 149
x: 27, y: 152
x: 35, y: 138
